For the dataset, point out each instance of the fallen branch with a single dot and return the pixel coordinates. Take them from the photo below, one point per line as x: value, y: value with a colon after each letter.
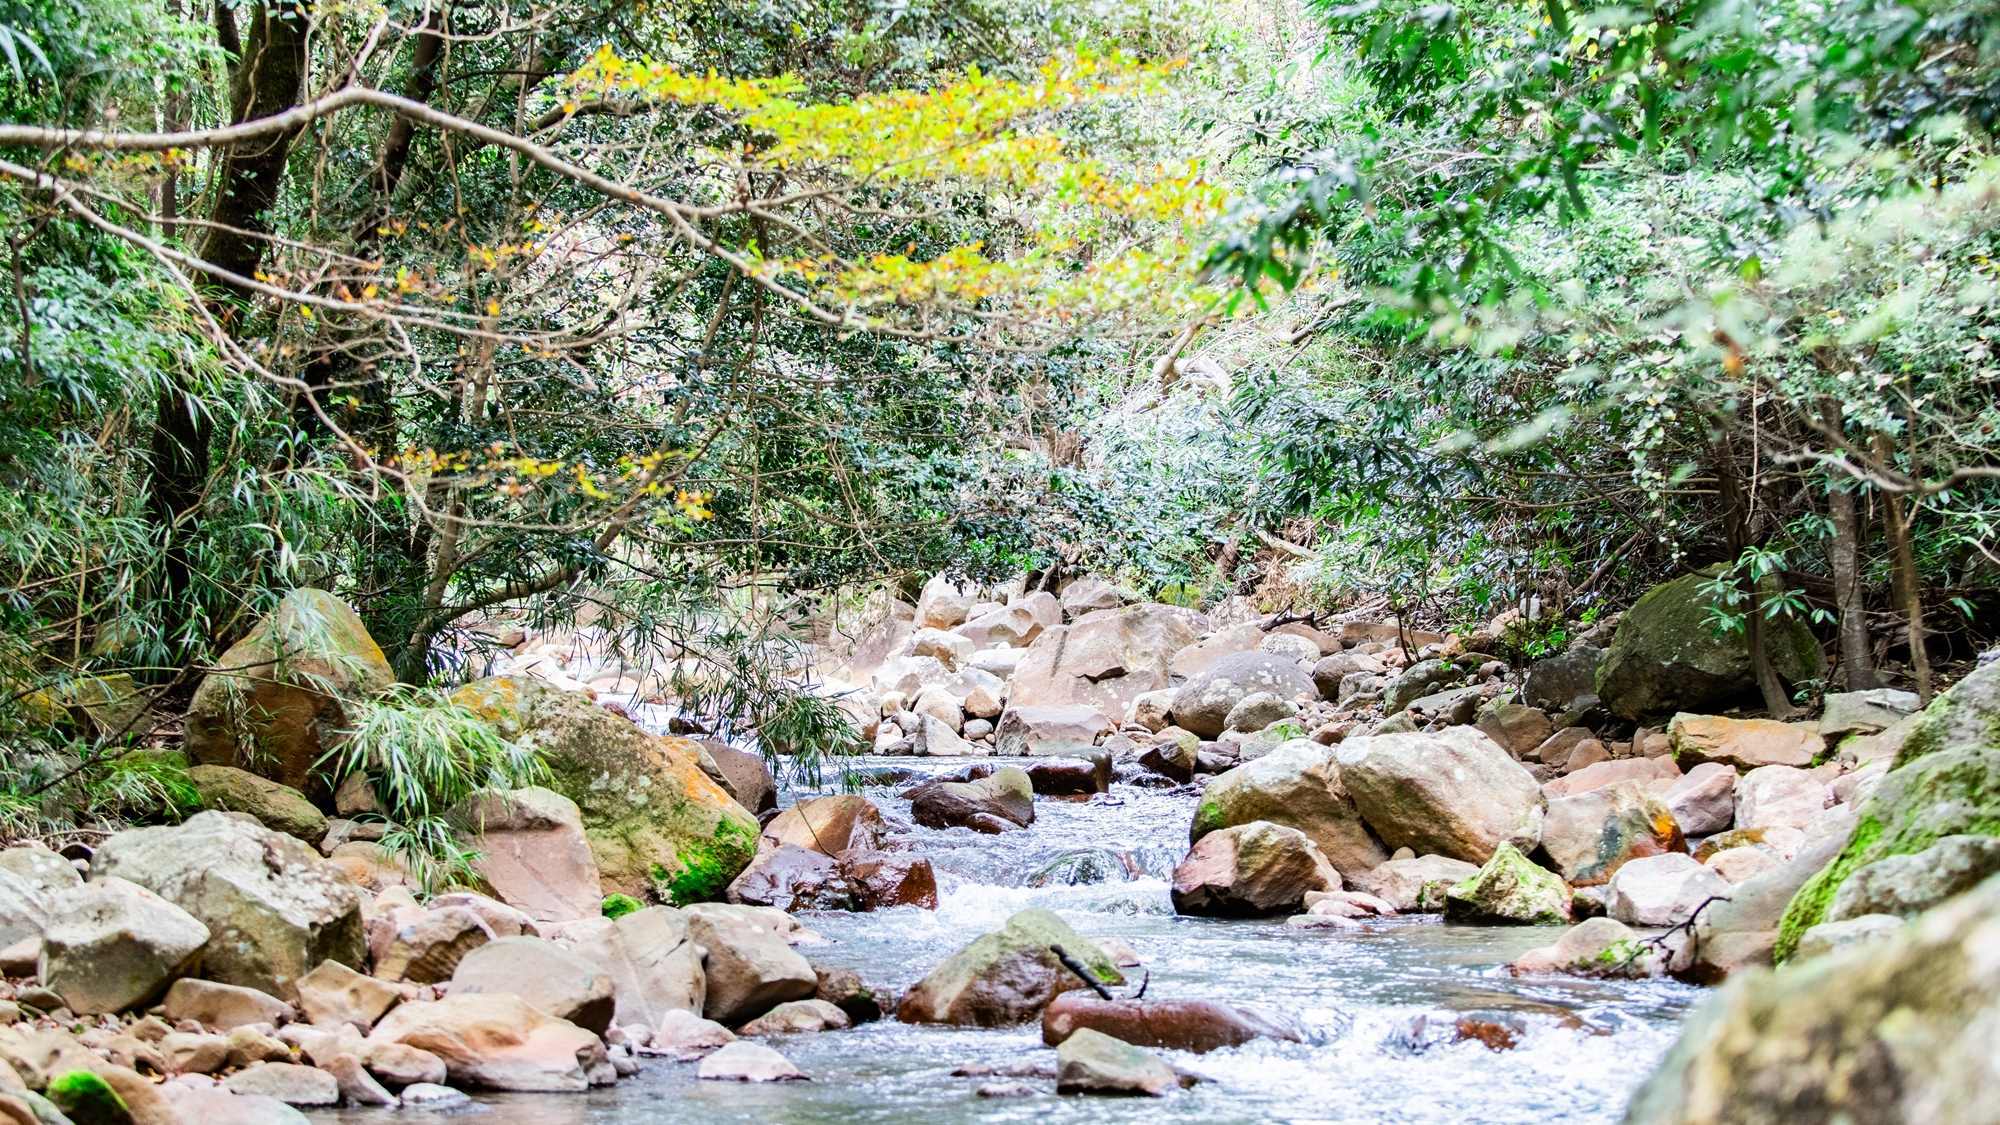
x: 1083, y: 974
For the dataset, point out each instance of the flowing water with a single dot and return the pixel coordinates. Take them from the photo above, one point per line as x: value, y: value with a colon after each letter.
x: 1381, y: 1003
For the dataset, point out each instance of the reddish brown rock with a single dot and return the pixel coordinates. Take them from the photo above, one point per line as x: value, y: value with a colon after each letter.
x: 1178, y: 1025
x: 886, y: 879
x: 793, y: 878
x: 1251, y: 870
x: 827, y: 825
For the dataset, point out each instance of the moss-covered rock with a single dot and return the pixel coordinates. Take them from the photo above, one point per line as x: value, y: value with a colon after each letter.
x: 1006, y: 977
x: 276, y: 702
x: 88, y: 1099
x: 1510, y: 891
x: 277, y: 807
x: 1900, y: 1029
x: 656, y: 822
x: 1667, y: 656
x: 618, y: 906
x: 1946, y: 782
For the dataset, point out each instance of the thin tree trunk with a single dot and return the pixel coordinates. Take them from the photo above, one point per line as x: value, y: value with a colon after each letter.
x: 1857, y: 662
x: 1736, y: 515
x: 1909, y: 592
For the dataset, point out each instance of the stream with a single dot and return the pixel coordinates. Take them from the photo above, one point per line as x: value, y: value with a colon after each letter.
x: 1382, y: 1002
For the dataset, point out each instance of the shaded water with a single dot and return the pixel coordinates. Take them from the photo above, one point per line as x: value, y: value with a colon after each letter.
x: 1583, y: 1045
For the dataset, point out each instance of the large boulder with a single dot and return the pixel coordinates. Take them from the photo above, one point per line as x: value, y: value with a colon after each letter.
x: 1946, y: 782
x: 1667, y: 654
x: 1297, y: 785
x: 793, y: 878
x: 1251, y: 870
x: 656, y: 822
x: 1591, y: 835
x: 274, y: 909
x: 1090, y: 594
x: 1901, y: 1029
x: 827, y: 825
x: 532, y: 851
x: 1780, y: 797
x: 1013, y: 626
x: 278, y: 700
x: 562, y: 983
x: 497, y: 1041
x: 654, y: 962
x: 1203, y: 703
x: 1105, y: 659
x: 1509, y: 891
x: 1453, y: 793
x: 1559, y: 683
x: 114, y: 945
x: 1006, y: 977
x: 1049, y: 729
x: 277, y: 807
x: 1425, y: 677
x: 1906, y: 885
x: 1703, y: 800
x: 751, y: 968
x: 999, y: 802
x: 944, y: 602
x: 1199, y: 1026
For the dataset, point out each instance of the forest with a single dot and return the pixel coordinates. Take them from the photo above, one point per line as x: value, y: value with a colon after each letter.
x: 584, y: 545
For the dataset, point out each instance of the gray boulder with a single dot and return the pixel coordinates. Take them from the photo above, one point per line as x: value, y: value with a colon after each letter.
x: 1453, y: 793
x: 1203, y: 704
x: 114, y: 945
x: 1668, y: 656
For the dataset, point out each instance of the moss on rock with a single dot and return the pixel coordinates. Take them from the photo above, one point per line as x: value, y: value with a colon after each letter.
x: 87, y: 1099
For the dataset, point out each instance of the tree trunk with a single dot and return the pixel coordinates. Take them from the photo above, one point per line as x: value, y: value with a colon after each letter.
x: 1896, y: 521
x: 1857, y: 662
x: 1736, y: 516
x: 269, y: 74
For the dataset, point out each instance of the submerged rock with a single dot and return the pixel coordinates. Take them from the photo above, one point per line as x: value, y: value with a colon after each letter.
x: 739, y: 1061
x: 1090, y: 1062
x: 1199, y: 1026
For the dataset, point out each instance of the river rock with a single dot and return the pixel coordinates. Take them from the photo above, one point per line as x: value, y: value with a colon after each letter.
x: 1591, y: 835
x: 1897, y: 1030
x: 655, y: 821
x: 1601, y: 774
x: 654, y: 962
x: 1048, y: 729
x: 1203, y: 704
x: 422, y: 946
x: 333, y: 994
x: 686, y: 1036
x: 1199, y: 1026
x: 750, y: 967
x: 1258, y: 710
x: 214, y: 1105
x: 402, y: 1066
x: 793, y: 878
x: 1453, y: 793
x: 1515, y: 727
x: 278, y: 807
x: 1298, y: 786
x: 564, y: 984
x: 282, y: 704
x: 884, y: 880
x: 747, y: 776
x: 356, y: 1085
x: 740, y: 1061
x: 1105, y: 659
x: 1703, y: 801
x: 1743, y: 743
x: 999, y: 802
x: 1780, y: 797
x: 1596, y: 947
x: 496, y: 1041
x: 1006, y: 977
x: 289, y: 1083
x: 1864, y: 712
x: 1200, y: 656
x: 1564, y: 681
x: 1945, y: 782
x: 533, y: 851
x: 1416, y: 885
x: 943, y: 603
x: 1090, y: 593
x: 1174, y: 754
x: 828, y: 825
x: 112, y: 945
x: 1251, y: 870
x: 274, y: 909
x: 1091, y: 1062
x: 1509, y: 890
x: 224, y: 1006
x: 1666, y: 654
x: 1011, y: 626
x: 1662, y: 890
x: 1907, y: 885
x: 795, y: 1016
x: 1088, y: 771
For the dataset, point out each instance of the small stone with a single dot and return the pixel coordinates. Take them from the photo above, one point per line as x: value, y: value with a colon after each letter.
x: 742, y: 1061
x: 290, y: 1083
x: 1091, y: 1062
x: 432, y: 1095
